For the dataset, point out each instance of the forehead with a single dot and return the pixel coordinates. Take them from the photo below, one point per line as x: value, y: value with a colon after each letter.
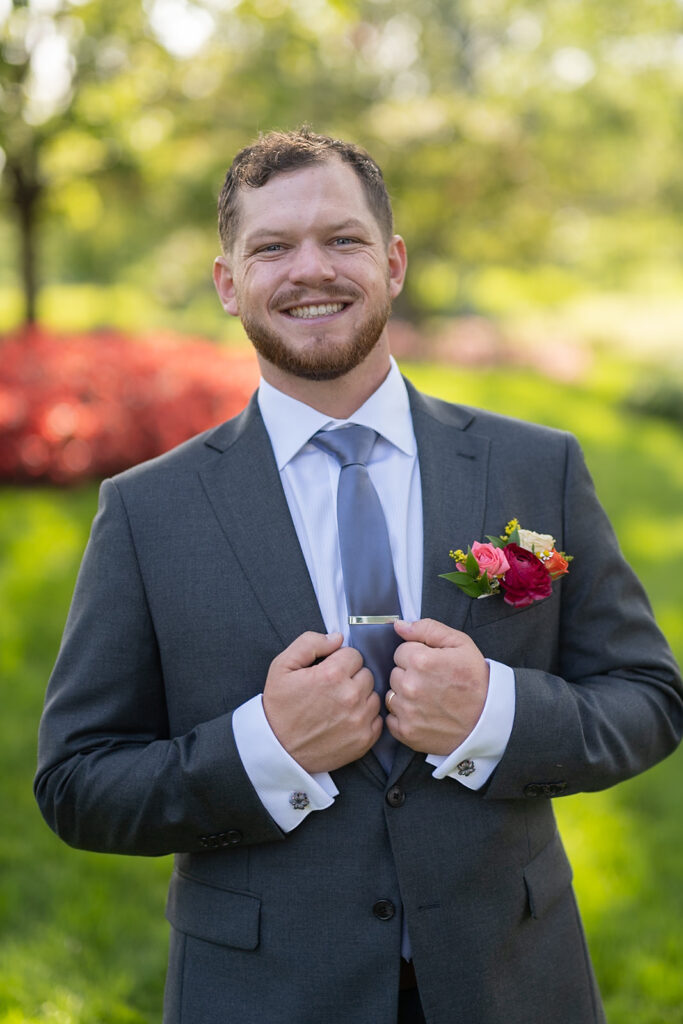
x: 313, y: 196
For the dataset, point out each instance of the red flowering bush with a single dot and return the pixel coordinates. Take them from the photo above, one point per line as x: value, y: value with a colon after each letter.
x: 75, y: 407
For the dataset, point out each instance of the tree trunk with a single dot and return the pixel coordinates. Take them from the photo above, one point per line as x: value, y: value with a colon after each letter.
x: 26, y: 195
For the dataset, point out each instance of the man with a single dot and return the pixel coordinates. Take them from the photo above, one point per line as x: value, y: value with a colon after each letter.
x: 337, y: 864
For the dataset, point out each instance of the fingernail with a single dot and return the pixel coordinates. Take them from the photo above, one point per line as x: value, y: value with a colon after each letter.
x: 333, y: 636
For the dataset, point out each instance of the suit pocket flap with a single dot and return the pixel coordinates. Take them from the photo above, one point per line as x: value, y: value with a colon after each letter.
x: 223, y: 916
x: 547, y: 877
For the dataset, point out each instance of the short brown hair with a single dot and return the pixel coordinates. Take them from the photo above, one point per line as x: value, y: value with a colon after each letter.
x: 278, y: 152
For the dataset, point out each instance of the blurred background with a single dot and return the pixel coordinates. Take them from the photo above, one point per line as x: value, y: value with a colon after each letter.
x: 532, y: 151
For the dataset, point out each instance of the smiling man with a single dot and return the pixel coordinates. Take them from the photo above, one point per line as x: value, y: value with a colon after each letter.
x: 265, y: 673
x: 311, y: 270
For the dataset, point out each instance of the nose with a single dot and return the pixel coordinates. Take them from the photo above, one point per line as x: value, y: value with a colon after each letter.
x: 311, y: 264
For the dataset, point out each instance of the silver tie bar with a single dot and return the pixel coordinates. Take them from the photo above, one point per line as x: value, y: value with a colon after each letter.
x: 371, y: 620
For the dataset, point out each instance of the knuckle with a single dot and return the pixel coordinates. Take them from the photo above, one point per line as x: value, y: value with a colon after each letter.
x: 410, y: 688
x: 348, y: 700
x: 366, y: 679
x: 422, y: 659
x: 395, y: 728
x: 327, y: 671
x: 353, y: 660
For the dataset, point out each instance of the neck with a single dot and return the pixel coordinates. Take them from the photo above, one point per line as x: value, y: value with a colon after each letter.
x: 338, y: 398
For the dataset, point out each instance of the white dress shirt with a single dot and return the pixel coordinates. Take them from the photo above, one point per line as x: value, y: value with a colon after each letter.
x: 309, y: 479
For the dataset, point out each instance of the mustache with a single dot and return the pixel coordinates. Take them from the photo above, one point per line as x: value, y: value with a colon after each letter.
x: 329, y: 293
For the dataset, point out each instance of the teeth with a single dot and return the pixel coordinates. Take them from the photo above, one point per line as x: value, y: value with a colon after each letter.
x: 306, y: 312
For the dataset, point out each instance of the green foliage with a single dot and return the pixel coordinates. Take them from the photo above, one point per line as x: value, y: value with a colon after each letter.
x: 531, y: 148
x: 83, y: 936
x: 83, y: 939
x: 658, y: 393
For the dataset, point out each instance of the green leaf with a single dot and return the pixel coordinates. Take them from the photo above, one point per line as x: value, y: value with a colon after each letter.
x: 474, y: 589
x: 470, y: 586
x: 452, y: 577
x: 472, y: 565
x: 498, y: 542
x: 514, y: 537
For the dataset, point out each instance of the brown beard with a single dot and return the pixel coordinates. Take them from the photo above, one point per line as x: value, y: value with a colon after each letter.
x: 319, y: 361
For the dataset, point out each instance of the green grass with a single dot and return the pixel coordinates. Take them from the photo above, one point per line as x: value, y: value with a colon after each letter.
x: 82, y: 936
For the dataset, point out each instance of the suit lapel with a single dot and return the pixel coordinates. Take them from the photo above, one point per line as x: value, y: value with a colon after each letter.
x: 453, y: 473
x: 244, y: 489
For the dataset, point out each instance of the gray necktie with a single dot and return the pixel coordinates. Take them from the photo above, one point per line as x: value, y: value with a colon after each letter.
x: 367, y: 566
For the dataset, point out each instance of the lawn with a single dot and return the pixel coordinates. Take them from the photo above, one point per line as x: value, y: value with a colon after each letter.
x: 82, y: 936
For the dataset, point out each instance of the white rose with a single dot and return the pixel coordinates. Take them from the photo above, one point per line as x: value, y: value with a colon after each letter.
x: 536, y: 543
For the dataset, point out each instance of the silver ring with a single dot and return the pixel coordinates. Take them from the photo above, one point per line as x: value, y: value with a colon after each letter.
x: 390, y: 697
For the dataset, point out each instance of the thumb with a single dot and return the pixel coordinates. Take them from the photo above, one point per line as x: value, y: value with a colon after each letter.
x: 430, y: 632
x: 307, y: 648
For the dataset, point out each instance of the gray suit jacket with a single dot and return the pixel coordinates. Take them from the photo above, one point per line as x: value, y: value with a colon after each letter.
x: 193, y: 581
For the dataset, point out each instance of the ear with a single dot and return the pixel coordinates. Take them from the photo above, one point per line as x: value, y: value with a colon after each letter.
x: 225, y: 285
x: 398, y: 262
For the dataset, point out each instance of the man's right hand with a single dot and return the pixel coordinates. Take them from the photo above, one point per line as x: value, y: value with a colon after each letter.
x: 325, y: 715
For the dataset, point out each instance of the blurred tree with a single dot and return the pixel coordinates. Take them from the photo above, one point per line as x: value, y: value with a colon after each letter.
x: 66, y: 84
x: 525, y: 133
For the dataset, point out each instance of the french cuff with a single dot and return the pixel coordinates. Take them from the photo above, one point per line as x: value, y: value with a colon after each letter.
x: 475, y: 759
x: 287, y: 792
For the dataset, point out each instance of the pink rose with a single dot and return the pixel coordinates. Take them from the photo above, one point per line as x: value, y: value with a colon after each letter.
x: 491, y: 560
x: 527, y: 580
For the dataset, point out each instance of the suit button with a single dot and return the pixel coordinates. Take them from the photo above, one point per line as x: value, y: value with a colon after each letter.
x: 396, y: 797
x: 548, y: 789
x: 384, y: 910
x: 231, y: 838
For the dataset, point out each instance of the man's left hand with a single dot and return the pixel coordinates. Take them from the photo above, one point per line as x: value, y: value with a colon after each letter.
x: 440, y: 684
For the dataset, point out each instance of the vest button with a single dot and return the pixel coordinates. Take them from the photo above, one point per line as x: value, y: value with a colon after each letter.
x: 396, y: 797
x: 384, y: 910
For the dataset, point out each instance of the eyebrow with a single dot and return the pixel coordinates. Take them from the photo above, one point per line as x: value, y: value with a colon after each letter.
x: 269, y: 234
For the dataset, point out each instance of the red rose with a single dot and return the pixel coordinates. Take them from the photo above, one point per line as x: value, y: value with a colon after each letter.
x: 527, y: 580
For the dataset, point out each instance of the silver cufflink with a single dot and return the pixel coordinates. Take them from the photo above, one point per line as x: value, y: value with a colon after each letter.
x: 299, y: 801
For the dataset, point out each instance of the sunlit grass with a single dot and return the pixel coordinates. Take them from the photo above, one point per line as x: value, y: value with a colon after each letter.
x: 82, y: 935
x: 83, y: 939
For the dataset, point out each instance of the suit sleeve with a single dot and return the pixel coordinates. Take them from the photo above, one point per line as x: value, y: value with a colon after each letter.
x: 110, y: 777
x: 614, y: 706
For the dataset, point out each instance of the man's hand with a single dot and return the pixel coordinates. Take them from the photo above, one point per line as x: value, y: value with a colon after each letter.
x: 324, y: 715
x: 439, y: 684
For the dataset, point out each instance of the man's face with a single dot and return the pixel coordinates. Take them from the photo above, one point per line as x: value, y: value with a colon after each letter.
x: 310, y: 274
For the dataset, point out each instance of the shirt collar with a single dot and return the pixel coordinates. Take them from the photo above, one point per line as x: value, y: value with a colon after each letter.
x: 290, y: 423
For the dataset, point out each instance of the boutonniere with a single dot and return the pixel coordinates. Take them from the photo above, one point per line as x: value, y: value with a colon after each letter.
x: 520, y: 564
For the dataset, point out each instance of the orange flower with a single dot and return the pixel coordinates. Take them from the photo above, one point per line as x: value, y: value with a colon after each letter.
x: 556, y: 564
